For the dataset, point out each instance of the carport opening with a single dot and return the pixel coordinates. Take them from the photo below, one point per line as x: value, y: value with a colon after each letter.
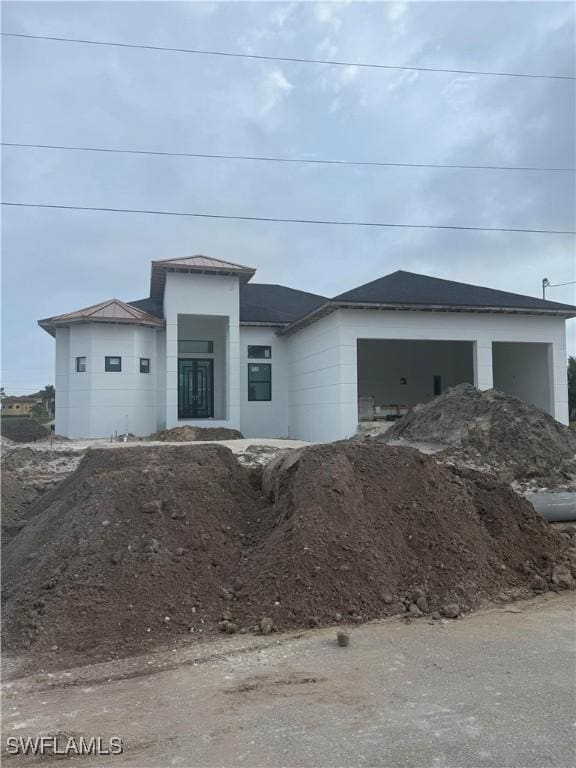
x: 522, y: 369
x: 395, y: 375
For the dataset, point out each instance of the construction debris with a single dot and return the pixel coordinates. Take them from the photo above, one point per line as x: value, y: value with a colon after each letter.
x: 191, y: 434
x: 493, y: 432
x: 344, y: 532
x: 343, y: 639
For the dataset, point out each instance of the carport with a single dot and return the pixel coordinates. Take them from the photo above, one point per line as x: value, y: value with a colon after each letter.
x: 394, y: 375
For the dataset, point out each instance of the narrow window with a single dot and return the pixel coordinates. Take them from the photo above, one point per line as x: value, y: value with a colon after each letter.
x: 144, y: 365
x: 259, y: 381
x: 194, y: 346
x: 112, y: 364
x: 259, y: 352
x: 437, y: 385
x: 80, y: 365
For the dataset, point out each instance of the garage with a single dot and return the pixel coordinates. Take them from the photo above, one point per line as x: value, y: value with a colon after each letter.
x: 394, y: 375
x: 522, y: 369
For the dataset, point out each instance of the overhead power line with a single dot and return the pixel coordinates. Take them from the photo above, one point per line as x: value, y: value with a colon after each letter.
x: 269, y: 159
x: 292, y: 59
x: 332, y: 222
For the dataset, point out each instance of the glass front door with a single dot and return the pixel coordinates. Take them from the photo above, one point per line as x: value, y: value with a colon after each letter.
x: 195, y: 388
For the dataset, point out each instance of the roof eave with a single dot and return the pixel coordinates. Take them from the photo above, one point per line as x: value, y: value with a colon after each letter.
x: 332, y: 306
x: 50, y: 324
x: 159, y: 270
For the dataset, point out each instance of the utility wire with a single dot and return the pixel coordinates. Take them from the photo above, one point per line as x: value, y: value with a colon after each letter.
x: 293, y: 59
x: 261, y: 158
x: 286, y: 221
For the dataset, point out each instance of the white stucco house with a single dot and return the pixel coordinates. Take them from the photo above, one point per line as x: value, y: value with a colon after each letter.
x: 210, y: 347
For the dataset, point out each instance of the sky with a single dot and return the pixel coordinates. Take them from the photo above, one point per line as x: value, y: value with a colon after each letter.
x: 56, y: 93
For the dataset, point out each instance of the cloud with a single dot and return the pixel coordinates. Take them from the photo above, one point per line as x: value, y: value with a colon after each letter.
x: 275, y: 87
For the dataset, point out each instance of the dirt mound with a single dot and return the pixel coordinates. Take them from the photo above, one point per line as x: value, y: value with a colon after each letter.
x: 190, y: 434
x: 145, y: 545
x: 21, y: 429
x: 136, y: 546
x: 492, y: 431
x: 361, y: 529
x: 27, y: 474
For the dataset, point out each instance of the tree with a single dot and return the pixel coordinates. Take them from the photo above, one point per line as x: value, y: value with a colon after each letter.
x: 48, y: 395
x: 572, y: 387
x: 2, y: 393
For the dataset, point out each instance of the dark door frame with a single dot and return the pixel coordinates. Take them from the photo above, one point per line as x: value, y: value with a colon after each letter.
x: 193, y: 404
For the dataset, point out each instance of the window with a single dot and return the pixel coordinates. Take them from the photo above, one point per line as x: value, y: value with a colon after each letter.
x: 193, y: 346
x: 144, y: 365
x: 112, y: 364
x: 437, y: 385
x: 259, y: 381
x: 80, y: 365
x: 259, y: 352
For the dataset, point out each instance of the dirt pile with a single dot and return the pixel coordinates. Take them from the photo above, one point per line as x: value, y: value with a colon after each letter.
x: 134, y: 547
x: 145, y: 545
x: 190, y: 434
x: 21, y: 429
x: 27, y: 474
x: 493, y: 432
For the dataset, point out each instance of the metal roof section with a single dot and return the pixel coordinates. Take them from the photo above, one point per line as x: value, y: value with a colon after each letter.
x: 111, y: 311
x: 198, y: 264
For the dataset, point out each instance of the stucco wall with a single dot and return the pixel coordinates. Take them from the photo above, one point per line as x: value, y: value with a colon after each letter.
x: 100, y: 403
x: 316, y: 379
x: 216, y: 296
x: 262, y: 418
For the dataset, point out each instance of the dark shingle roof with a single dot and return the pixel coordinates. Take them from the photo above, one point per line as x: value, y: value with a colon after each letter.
x: 260, y: 303
x: 152, y: 306
x: 408, y: 288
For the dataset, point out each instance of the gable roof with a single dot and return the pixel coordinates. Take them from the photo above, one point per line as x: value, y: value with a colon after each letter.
x: 275, y: 304
x: 409, y: 288
x: 198, y: 264
x: 110, y: 311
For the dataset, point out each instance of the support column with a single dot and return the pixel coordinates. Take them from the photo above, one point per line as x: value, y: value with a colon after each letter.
x: 558, y: 383
x: 483, y: 373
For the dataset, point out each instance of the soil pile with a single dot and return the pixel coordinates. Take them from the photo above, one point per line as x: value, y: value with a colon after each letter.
x: 190, y: 434
x: 21, y: 429
x: 494, y: 432
x: 27, y: 474
x: 136, y: 546
x: 145, y: 545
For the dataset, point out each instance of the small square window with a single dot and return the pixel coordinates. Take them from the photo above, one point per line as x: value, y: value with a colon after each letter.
x: 144, y: 365
x: 259, y: 352
x: 259, y: 382
x: 80, y: 365
x: 112, y: 364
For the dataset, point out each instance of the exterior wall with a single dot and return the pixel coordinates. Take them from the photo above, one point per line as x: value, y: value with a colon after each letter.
x: 97, y: 403
x: 214, y: 296
x: 382, y: 364
x: 479, y: 328
x: 265, y: 419
x: 320, y: 390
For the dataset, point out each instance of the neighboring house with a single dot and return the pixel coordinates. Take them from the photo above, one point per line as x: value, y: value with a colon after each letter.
x: 209, y: 347
x: 22, y: 405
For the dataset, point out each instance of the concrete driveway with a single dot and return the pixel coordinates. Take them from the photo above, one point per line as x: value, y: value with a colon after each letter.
x: 493, y: 689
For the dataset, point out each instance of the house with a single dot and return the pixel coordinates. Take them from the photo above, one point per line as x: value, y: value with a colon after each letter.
x: 20, y: 405
x: 210, y: 347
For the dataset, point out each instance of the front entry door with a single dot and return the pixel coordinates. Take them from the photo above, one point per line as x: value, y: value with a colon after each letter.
x: 195, y: 388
